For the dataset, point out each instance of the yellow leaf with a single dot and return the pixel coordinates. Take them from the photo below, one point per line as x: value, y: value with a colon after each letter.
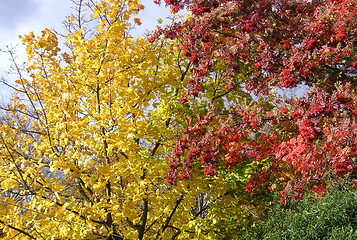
x: 95, y: 14
x: 63, y: 208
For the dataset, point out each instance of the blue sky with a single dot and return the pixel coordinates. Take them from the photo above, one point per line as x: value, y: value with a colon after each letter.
x: 18, y: 17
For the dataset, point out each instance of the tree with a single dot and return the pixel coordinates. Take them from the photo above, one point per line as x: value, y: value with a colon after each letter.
x: 291, y: 145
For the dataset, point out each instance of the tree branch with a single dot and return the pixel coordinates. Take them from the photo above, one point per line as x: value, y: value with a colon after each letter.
x: 17, y: 229
x: 143, y: 219
x: 169, y: 217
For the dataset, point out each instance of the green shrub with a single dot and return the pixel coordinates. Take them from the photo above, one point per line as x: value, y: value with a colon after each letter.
x: 332, y: 217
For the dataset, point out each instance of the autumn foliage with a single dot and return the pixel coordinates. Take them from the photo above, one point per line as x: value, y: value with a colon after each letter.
x: 187, y: 133
x: 301, y: 142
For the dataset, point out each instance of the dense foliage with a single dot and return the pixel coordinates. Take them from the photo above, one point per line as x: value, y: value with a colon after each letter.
x: 267, y: 47
x: 186, y: 134
x: 333, y: 217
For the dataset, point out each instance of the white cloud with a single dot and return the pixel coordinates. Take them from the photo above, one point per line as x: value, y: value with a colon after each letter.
x: 20, y: 17
x: 14, y: 12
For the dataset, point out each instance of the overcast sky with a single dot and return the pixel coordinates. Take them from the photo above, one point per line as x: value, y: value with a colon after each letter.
x: 18, y: 17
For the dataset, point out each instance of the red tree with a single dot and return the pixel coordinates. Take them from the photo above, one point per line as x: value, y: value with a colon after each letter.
x: 280, y: 44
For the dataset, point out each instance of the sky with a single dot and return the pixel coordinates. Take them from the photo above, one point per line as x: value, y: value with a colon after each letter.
x: 19, y: 17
